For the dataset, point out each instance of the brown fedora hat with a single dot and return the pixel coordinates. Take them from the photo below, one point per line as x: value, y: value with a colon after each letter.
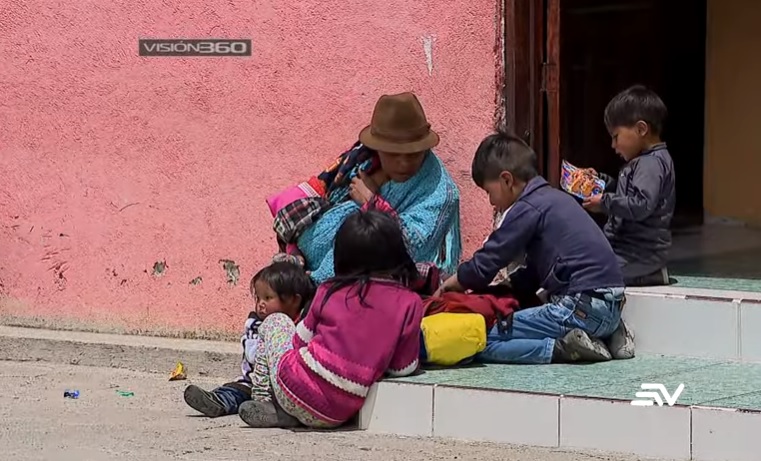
x: 399, y: 126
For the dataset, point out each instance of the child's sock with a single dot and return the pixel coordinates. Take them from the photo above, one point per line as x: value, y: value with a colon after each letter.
x: 266, y: 413
x: 577, y: 346
x: 204, y: 402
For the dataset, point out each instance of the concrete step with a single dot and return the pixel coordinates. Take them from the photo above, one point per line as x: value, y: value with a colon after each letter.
x: 717, y: 416
x: 696, y: 322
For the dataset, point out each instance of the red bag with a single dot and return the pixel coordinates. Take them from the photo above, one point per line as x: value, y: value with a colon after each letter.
x: 493, y: 308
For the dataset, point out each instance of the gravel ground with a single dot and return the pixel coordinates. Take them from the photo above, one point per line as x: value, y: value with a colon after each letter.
x: 154, y: 424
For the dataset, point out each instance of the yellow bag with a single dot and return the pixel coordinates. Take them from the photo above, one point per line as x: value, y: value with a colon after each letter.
x: 450, y: 338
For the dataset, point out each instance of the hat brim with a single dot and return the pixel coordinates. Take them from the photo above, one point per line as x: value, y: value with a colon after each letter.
x: 429, y: 142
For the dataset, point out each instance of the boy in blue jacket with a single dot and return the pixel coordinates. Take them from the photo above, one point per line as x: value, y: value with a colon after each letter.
x: 567, y: 256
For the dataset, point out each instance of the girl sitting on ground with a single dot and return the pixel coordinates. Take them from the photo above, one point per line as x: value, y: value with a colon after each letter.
x: 363, y: 323
x: 282, y: 287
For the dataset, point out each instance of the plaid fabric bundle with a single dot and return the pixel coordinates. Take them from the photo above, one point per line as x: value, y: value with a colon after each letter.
x: 320, y: 192
x: 293, y: 218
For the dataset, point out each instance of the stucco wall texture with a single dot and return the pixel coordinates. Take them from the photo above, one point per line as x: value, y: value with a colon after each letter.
x: 111, y: 163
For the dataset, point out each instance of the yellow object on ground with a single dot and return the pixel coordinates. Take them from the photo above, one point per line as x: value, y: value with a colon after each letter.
x: 179, y: 373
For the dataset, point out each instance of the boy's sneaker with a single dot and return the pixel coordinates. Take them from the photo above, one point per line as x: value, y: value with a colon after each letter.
x: 204, y: 402
x: 577, y: 346
x: 621, y: 342
x: 266, y: 413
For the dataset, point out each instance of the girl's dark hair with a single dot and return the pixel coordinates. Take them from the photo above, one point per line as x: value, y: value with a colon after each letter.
x: 370, y: 244
x: 287, y: 280
x: 503, y: 151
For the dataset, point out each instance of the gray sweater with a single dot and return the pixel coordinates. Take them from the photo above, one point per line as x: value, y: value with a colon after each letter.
x: 640, y: 211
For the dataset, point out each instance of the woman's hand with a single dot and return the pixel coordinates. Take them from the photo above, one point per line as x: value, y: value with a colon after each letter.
x: 362, y: 188
x: 450, y: 284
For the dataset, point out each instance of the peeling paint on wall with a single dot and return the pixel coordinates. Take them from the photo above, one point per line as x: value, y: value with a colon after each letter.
x: 428, y: 50
x: 159, y: 267
x: 232, y: 271
x: 196, y: 281
x: 59, y: 270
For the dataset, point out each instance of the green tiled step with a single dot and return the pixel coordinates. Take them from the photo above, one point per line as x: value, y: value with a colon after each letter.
x: 718, y: 283
x: 706, y: 382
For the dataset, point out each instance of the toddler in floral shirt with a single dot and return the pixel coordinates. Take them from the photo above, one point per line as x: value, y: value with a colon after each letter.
x: 280, y: 287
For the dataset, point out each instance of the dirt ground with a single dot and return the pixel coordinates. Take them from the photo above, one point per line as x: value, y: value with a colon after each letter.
x: 38, y: 423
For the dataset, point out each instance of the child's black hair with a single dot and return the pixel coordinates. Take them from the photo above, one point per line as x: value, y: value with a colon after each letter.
x: 370, y: 244
x: 287, y: 280
x: 500, y: 152
x: 634, y: 104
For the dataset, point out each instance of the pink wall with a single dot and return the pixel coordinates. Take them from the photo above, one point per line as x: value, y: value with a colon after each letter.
x: 110, y: 162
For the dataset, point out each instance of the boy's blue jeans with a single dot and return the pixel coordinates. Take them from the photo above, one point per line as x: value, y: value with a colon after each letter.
x: 531, y: 338
x: 231, y: 398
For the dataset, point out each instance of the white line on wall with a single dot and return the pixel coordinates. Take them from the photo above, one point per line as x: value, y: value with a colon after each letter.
x: 428, y: 50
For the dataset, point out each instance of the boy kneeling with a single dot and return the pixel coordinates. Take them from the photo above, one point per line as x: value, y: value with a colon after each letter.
x: 567, y: 255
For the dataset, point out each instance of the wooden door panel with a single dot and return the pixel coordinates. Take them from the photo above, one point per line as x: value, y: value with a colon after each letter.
x: 524, y: 50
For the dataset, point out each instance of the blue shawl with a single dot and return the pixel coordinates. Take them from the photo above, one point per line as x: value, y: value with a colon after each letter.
x: 428, y: 206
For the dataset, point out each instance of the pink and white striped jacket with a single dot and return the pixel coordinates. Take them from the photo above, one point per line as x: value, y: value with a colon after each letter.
x: 342, y: 348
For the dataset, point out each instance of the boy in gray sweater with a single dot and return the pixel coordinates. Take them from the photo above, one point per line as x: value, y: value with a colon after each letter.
x: 640, y: 202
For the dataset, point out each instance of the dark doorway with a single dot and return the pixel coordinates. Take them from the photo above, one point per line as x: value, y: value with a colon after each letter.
x: 565, y: 59
x: 606, y: 46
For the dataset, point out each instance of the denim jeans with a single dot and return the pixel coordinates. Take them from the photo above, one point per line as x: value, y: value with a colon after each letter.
x: 531, y: 337
x: 231, y: 398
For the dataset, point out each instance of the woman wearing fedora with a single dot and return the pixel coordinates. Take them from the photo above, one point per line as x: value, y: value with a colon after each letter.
x: 391, y: 168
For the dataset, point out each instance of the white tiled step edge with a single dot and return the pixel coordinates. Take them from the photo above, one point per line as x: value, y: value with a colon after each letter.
x: 684, y: 322
x: 678, y: 432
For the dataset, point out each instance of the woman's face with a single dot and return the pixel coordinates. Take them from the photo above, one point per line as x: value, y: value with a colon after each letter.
x: 401, y: 167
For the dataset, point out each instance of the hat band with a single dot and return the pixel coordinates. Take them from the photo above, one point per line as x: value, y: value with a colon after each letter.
x: 401, y: 136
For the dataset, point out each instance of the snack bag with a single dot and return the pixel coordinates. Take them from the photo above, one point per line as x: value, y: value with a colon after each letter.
x: 179, y: 373
x: 580, y: 183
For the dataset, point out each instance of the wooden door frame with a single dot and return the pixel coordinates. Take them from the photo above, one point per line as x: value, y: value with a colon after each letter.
x: 551, y: 89
x: 532, y: 78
